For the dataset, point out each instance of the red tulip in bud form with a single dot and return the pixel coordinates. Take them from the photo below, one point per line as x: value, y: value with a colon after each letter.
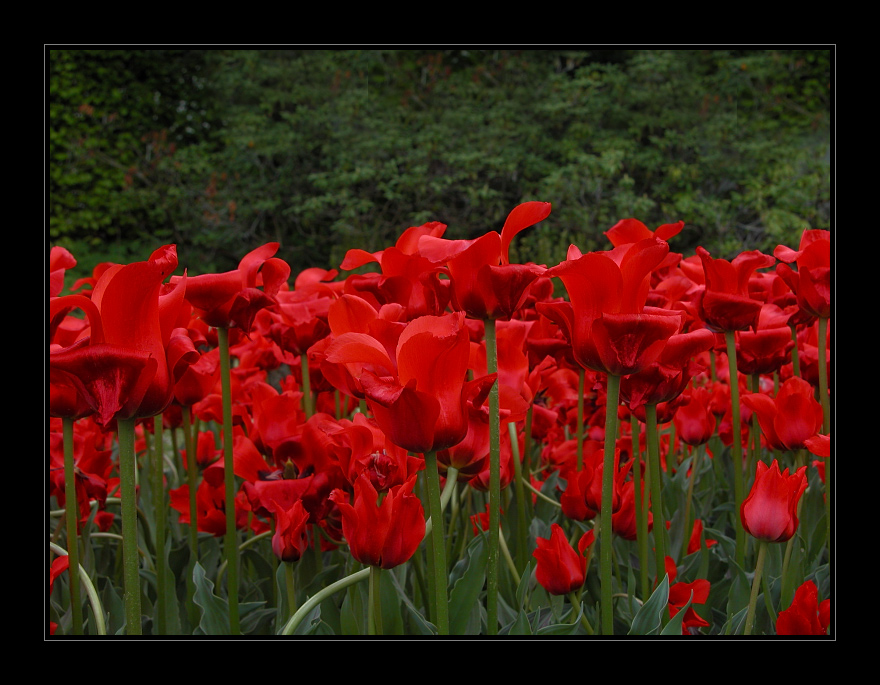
x: 560, y: 568
x: 769, y: 513
x: 384, y: 534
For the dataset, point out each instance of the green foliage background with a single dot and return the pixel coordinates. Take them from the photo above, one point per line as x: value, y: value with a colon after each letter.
x: 220, y: 151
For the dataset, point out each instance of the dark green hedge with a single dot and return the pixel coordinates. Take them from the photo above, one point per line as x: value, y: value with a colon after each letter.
x: 220, y: 151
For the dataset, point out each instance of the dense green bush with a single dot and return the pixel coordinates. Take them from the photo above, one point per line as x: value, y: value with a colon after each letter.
x: 323, y: 150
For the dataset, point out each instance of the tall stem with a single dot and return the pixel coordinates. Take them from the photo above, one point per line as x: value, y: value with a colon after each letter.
x: 756, y: 584
x: 374, y: 605
x: 494, y: 482
x: 659, y: 527
x: 231, y: 545
x: 192, y: 478
x: 606, y: 530
x: 130, y: 562
x: 158, y: 488
x: 580, y: 420
x: 440, y: 612
x: 736, y: 446
x: 641, y: 507
x: 521, y: 511
x: 825, y: 400
x: 308, y: 405
x: 71, y: 516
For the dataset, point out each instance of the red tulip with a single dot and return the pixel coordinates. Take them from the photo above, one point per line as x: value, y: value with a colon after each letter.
x: 790, y: 418
x: 124, y: 370
x: 812, y: 280
x: 769, y: 513
x: 420, y: 399
x: 485, y: 285
x: 560, y: 569
x: 726, y: 304
x: 232, y: 299
x: 384, y: 534
x: 768, y: 348
x: 694, y: 421
x: 632, y: 231
x: 607, y: 322
x: 666, y: 378
x: 805, y: 616
x: 290, y: 539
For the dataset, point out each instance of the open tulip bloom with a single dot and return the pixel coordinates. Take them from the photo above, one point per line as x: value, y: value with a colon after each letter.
x: 438, y: 444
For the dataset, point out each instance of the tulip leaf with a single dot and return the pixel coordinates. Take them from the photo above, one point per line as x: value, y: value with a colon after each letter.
x: 215, y: 610
x: 740, y: 589
x: 674, y: 625
x: 648, y: 619
x: 466, y: 591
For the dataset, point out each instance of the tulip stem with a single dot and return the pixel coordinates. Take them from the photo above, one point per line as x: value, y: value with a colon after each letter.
x: 130, y: 563
x: 580, y: 420
x: 641, y: 508
x: 192, y: 477
x: 494, y: 482
x: 659, y: 527
x: 606, y: 530
x: 522, y: 521
x: 290, y: 587
x: 158, y: 485
x: 756, y: 585
x: 439, y: 612
x: 308, y: 407
x: 71, y: 516
x: 825, y: 400
x: 374, y: 604
x: 736, y: 446
x: 231, y: 546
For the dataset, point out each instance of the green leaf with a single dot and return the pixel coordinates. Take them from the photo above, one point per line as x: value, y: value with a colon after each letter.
x: 215, y: 610
x: 648, y: 620
x: 674, y: 625
x: 467, y: 589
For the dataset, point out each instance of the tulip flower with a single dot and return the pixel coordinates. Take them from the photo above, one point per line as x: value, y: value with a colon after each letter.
x: 789, y: 419
x: 806, y: 615
x: 560, y: 569
x: 726, y: 305
x: 769, y: 514
x: 382, y: 533
x: 811, y: 283
x: 486, y: 286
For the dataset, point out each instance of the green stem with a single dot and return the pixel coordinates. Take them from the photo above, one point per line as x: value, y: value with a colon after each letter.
x: 320, y: 596
x: 659, y: 526
x: 825, y: 400
x: 290, y: 588
x: 440, y: 610
x: 688, y: 524
x: 580, y: 420
x: 91, y: 592
x: 641, y: 509
x: 308, y: 405
x: 231, y: 546
x: 736, y: 446
x: 494, y: 482
x: 795, y: 360
x: 575, y: 605
x: 374, y: 610
x: 192, y: 476
x: 606, y: 530
x: 522, y: 521
x: 756, y: 585
x: 158, y: 486
x: 71, y: 516
x: 130, y: 563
